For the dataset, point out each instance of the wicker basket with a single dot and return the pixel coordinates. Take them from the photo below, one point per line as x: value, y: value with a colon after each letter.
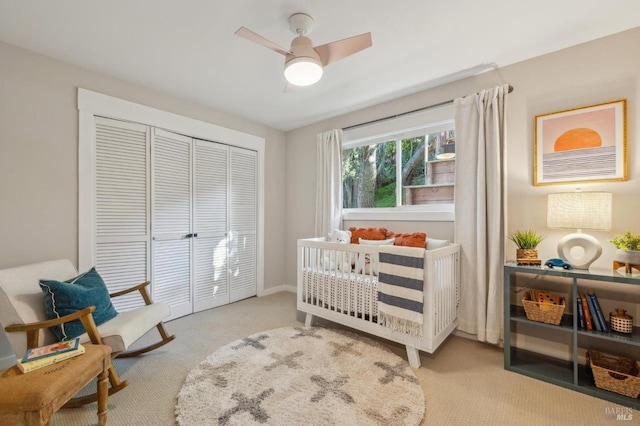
x: 615, y: 373
x: 539, y: 312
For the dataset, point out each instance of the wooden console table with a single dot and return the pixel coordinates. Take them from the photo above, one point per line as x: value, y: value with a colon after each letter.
x: 32, y: 398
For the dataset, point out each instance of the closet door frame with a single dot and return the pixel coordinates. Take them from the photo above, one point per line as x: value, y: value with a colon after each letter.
x: 92, y: 104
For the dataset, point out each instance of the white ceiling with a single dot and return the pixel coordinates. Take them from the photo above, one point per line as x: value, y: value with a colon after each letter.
x: 187, y: 48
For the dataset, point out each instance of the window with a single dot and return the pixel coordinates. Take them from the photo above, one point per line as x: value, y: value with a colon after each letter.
x: 390, y: 166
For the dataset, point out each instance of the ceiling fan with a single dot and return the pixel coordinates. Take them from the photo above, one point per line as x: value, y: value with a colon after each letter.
x: 303, y: 63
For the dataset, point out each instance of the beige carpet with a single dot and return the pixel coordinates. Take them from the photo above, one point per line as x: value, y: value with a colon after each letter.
x: 464, y: 382
x: 331, y: 376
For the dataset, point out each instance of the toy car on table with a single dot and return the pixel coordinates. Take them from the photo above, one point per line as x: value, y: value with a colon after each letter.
x: 559, y: 263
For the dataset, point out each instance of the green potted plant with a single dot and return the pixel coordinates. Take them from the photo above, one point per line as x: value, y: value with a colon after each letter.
x: 526, y: 242
x: 628, y: 253
x: 627, y: 242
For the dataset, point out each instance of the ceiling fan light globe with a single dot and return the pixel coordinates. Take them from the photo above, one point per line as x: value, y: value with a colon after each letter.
x: 303, y: 71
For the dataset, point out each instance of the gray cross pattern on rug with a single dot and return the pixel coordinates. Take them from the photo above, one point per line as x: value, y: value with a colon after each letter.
x: 347, y: 348
x: 394, y: 371
x: 306, y: 332
x: 253, y: 342
x: 331, y: 387
x: 250, y: 405
x: 213, y: 375
x: 396, y: 418
x: 287, y: 360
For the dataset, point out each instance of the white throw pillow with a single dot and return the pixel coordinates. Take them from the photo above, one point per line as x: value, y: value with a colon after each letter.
x: 433, y: 244
x: 364, y: 263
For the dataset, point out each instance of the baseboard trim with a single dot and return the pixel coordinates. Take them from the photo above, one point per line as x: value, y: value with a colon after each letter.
x: 278, y: 289
x: 7, y: 361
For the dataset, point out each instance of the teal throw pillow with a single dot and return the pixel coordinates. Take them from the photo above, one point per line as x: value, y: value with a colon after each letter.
x: 66, y: 297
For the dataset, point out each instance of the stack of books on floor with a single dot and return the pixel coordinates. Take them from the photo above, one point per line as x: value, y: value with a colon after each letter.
x: 590, y: 315
x: 50, y: 354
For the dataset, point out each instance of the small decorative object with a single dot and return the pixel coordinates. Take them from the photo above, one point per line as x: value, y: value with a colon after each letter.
x: 628, y: 253
x: 587, y: 144
x: 334, y: 259
x: 526, y: 242
x: 557, y: 263
x: 621, y: 321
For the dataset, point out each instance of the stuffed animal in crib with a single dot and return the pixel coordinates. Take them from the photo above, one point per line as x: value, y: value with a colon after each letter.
x: 336, y: 259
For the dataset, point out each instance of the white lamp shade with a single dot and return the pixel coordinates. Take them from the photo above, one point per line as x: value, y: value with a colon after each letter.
x: 579, y: 210
x: 303, y: 71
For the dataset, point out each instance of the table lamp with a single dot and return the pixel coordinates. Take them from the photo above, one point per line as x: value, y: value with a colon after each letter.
x: 579, y: 210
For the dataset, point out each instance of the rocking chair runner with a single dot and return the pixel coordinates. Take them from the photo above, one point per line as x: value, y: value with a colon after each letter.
x: 22, y: 310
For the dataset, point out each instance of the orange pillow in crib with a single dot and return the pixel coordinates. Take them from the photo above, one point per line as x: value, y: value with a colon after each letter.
x: 417, y: 239
x: 369, y: 234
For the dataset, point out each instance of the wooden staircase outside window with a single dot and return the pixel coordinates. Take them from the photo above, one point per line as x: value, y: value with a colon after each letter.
x: 439, y: 183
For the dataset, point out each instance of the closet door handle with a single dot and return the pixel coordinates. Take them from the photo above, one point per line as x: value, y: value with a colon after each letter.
x: 195, y: 235
x: 187, y: 236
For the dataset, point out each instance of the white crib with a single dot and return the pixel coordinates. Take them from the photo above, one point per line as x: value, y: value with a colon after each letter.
x: 350, y: 298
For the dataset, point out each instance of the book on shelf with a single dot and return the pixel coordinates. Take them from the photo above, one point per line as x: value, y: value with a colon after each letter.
x: 587, y: 315
x: 51, y: 350
x: 594, y: 316
x: 580, y: 311
x: 35, y: 364
x: 599, y: 314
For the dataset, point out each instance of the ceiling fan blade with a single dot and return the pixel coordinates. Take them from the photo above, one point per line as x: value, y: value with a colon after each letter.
x: 337, y: 50
x: 257, y: 38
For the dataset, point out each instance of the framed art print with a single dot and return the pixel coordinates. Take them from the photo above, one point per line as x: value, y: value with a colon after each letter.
x: 587, y: 144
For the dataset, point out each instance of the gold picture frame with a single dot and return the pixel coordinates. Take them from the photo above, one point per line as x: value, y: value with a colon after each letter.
x: 587, y: 144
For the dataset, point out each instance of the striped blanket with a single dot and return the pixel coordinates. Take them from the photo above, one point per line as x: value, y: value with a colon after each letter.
x: 400, y: 283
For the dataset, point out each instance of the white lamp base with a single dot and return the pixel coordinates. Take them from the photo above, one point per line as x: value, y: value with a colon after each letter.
x: 591, y: 250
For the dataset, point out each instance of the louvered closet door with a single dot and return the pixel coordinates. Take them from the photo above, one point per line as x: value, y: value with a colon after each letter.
x: 122, y: 205
x: 171, y: 221
x: 242, y: 253
x: 210, y: 181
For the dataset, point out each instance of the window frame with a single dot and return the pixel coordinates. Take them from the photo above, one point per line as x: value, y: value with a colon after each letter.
x: 423, y: 212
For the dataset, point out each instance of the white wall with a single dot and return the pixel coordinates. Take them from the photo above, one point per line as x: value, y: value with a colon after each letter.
x: 603, y: 70
x: 39, y: 158
x: 599, y: 71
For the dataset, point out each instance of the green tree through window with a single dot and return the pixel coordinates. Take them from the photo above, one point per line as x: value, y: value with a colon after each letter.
x: 370, y: 172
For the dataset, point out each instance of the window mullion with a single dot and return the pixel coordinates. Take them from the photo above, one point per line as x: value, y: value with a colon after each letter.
x: 398, y: 172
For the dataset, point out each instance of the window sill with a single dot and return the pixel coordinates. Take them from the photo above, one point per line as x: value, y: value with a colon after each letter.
x: 424, y: 213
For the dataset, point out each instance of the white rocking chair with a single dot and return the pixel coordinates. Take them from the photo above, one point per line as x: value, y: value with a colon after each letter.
x: 22, y: 310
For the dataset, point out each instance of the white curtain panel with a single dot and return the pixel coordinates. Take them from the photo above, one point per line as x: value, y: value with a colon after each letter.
x: 329, y: 182
x: 479, y: 200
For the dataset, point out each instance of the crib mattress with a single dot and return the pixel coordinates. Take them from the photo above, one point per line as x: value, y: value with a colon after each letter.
x: 347, y: 292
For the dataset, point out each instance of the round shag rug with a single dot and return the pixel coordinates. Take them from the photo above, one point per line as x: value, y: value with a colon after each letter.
x: 301, y: 376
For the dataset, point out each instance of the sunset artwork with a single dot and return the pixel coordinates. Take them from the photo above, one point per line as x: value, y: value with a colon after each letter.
x: 581, y: 145
x: 587, y: 130
x: 579, y: 138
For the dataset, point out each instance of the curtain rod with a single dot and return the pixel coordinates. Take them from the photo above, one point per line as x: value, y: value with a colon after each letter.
x: 407, y: 113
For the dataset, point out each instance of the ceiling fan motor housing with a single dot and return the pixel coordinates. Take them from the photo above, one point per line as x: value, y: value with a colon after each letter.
x: 302, y: 47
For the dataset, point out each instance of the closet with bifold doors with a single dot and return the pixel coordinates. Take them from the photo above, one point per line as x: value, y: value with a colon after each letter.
x: 175, y: 210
